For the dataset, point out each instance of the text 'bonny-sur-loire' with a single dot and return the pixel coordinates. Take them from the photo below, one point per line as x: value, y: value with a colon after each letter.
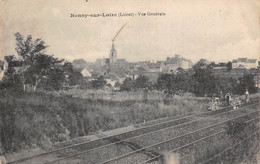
x: 121, y: 14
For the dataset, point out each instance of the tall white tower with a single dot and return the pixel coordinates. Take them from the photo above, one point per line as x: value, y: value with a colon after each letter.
x: 113, y: 55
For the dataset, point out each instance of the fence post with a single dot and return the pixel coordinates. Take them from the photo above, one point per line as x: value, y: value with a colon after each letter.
x: 170, y: 158
x: 2, y: 160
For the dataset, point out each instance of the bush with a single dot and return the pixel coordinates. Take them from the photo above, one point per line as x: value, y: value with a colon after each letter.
x: 245, y: 82
x: 98, y: 83
x: 41, y: 119
x: 127, y: 85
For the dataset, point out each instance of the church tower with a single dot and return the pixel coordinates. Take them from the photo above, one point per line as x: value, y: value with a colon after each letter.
x: 113, y: 55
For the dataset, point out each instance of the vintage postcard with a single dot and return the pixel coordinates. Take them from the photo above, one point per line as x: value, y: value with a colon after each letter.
x: 129, y: 81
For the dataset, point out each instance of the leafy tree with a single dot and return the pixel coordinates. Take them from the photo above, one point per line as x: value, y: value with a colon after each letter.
x: 202, y: 63
x: 35, y: 67
x: 76, y: 78
x: 225, y: 84
x: 205, y: 82
x: 127, y: 85
x: 246, y: 82
x: 166, y: 82
x: 142, y: 82
x: 79, y: 64
x: 98, y: 83
x: 229, y: 66
x: 36, y: 64
x: 171, y: 83
x: 184, y: 81
x: 180, y: 70
x: 48, y: 68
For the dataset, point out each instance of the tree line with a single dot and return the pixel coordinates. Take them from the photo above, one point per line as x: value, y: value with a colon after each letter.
x: 198, y: 80
x: 35, y: 68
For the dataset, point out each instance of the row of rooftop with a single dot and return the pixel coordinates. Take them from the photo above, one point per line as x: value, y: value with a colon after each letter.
x: 121, y: 69
x: 245, y: 63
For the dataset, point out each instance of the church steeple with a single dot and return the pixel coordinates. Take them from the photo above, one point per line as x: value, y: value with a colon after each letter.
x: 113, y: 55
x: 113, y: 47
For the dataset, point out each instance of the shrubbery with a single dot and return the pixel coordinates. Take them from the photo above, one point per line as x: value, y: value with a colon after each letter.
x: 202, y: 82
x: 141, y: 82
x: 199, y: 80
x: 40, y: 119
x: 36, y: 69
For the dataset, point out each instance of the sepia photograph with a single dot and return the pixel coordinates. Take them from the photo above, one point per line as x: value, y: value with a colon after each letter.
x: 129, y: 81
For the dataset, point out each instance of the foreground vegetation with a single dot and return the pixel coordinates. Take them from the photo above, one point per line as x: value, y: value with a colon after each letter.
x: 38, y: 119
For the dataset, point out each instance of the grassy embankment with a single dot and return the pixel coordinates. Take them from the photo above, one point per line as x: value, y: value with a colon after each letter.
x: 29, y: 120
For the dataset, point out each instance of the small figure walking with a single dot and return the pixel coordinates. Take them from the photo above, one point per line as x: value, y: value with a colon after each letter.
x: 237, y: 103
x: 247, y: 95
x: 228, y: 98
x: 214, y: 104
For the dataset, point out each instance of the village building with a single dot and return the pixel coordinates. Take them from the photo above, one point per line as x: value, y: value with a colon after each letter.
x: 173, y: 63
x: 154, y: 67
x: 244, y: 63
x: 117, y: 70
x: 85, y: 73
x: 111, y: 79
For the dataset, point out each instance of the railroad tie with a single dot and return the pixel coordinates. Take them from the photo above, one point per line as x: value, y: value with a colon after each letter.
x: 132, y: 145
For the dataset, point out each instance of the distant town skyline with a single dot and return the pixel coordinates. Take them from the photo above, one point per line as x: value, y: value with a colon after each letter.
x: 217, y: 31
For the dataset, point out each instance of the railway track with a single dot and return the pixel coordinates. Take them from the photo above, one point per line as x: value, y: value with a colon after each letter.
x: 178, y: 142
x: 222, y: 133
x: 132, y: 140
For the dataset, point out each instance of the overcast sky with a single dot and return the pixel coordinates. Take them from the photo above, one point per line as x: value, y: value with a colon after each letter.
x: 218, y: 31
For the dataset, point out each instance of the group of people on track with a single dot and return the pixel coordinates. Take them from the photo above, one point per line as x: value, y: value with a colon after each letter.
x: 235, y: 102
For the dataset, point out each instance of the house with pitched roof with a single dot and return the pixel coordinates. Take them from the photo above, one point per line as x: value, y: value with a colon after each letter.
x: 252, y: 63
x: 85, y: 73
x: 244, y: 63
x: 173, y: 63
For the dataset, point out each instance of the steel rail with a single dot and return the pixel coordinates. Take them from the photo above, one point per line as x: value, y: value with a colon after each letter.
x: 201, y: 139
x: 136, y: 151
x: 256, y: 118
x: 163, y: 129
